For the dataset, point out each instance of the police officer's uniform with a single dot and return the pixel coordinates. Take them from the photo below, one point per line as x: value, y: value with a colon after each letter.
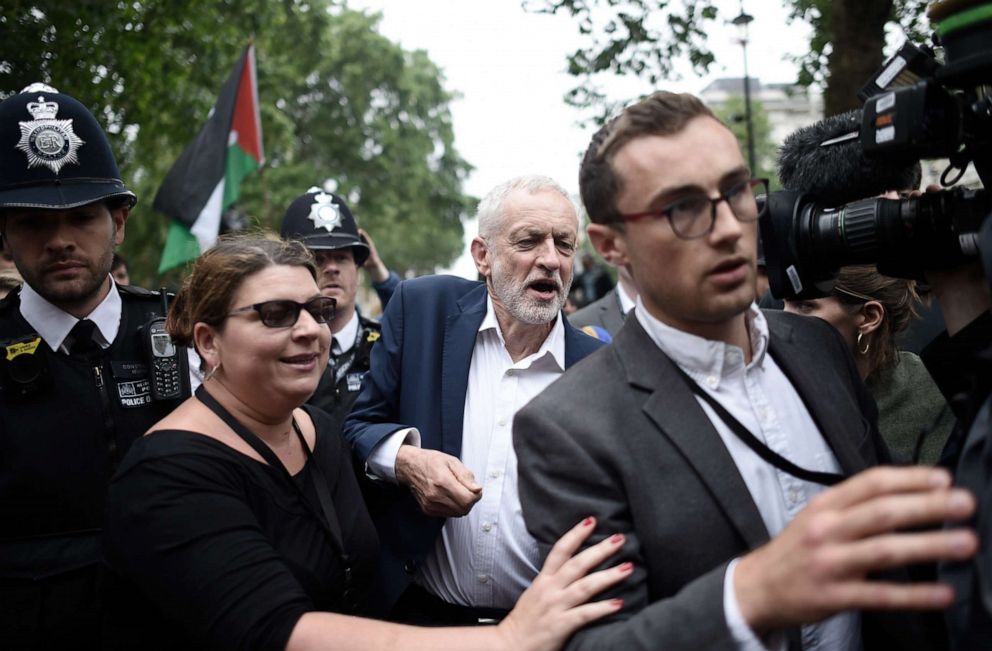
x: 346, y: 367
x: 71, y: 402
x: 322, y: 220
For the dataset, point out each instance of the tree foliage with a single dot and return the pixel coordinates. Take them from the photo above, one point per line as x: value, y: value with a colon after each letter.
x: 732, y: 113
x: 645, y: 38
x: 339, y: 102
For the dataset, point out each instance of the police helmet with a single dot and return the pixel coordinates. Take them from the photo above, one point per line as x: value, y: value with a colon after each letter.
x: 322, y: 220
x: 53, y: 153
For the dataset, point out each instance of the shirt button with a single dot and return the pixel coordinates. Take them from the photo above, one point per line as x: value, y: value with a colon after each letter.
x: 793, y: 496
x: 510, y: 373
x: 501, y: 422
x: 494, y: 474
x: 483, y: 578
x: 487, y: 527
x: 711, y: 381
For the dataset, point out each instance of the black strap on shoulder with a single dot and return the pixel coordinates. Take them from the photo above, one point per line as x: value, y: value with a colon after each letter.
x: 341, y: 364
x: 756, y: 445
x: 11, y: 300
x: 331, y: 526
x: 616, y: 297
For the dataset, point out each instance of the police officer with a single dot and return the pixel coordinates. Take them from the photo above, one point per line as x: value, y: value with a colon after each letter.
x: 324, y: 223
x: 76, y: 359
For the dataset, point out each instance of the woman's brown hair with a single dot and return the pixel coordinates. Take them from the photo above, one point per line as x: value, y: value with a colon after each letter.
x: 217, y: 275
x: 858, y: 284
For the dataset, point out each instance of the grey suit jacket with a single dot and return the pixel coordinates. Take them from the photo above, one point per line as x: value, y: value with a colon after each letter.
x: 604, y: 313
x: 620, y: 436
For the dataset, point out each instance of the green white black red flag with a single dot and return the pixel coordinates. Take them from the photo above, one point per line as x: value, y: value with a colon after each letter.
x: 206, y: 179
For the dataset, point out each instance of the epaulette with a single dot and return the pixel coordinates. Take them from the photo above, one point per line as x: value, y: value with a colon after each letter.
x: 11, y: 300
x: 369, y: 323
x: 141, y: 292
x: 371, y: 330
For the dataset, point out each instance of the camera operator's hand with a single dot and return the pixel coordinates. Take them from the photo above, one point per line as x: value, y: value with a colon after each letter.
x: 818, y: 565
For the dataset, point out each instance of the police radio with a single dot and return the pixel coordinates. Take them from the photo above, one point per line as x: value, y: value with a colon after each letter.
x: 167, y: 362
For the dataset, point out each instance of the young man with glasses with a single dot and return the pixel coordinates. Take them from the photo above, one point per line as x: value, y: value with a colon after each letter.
x: 709, y: 432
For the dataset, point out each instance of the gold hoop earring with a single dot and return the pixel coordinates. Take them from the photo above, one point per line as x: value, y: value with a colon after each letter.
x: 863, y: 351
x: 211, y: 372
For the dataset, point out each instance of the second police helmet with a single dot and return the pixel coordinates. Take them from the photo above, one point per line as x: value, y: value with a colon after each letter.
x: 322, y: 220
x: 54, y: 154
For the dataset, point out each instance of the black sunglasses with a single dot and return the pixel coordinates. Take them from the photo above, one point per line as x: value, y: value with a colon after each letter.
x: 282, y: 313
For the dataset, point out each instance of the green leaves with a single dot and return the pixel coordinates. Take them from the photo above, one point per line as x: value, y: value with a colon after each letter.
x: 644, y: 38
x: 635, y: 37
x: 339, y: 102
x: 733, y: 114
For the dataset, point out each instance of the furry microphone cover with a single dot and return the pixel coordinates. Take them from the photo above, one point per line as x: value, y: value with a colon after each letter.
x: 839, y: 173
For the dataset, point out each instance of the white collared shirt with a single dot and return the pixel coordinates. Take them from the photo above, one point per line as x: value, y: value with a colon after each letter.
x: 344, y: 339
x: 626, y: 302
x: 487, y: 558
x: 53, y: 324
x: 761, y: 397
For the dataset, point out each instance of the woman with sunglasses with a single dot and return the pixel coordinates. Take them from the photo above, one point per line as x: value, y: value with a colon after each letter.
x: 870, y: 311
x: 237, y: 521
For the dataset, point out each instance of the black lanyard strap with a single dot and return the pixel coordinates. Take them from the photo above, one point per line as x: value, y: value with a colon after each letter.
x: 341, y: 363
x: 756, y: 445
x: 329, y: 522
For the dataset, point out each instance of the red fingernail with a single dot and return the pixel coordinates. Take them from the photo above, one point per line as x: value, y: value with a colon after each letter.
x: 588, y: 522
x: 616, y: 538
x: 616, y: 603
x: 627, y: 567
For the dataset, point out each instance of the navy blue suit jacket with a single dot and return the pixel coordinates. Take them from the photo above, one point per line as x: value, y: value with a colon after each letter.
x: 418, y: 378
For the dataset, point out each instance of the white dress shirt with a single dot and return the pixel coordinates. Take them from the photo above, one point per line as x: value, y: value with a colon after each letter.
x: 344, y: 339
x: 626, y: 301
x: 53, y: 324
x: 487, y: 558
x: 760, y: 396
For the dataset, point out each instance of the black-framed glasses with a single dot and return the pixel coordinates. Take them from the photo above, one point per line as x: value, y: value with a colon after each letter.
x: 282, y: 313
x: 693, y: 215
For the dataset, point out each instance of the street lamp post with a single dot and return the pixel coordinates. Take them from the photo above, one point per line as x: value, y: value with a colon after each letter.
x: 742, y: 21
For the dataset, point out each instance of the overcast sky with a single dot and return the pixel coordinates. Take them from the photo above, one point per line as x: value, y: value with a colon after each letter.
x: 509, y: 67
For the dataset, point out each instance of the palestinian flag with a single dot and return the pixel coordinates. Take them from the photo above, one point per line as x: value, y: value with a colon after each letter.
x: 206, y: 179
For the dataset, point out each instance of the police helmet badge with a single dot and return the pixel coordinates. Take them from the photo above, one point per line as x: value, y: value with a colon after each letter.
x: 324, y: 213
x: 46, y: 140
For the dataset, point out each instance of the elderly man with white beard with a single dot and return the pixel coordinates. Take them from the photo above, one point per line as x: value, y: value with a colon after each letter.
x: 432, y: 425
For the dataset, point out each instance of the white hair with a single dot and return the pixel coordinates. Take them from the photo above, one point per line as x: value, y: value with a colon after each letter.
x: 490, y: 210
